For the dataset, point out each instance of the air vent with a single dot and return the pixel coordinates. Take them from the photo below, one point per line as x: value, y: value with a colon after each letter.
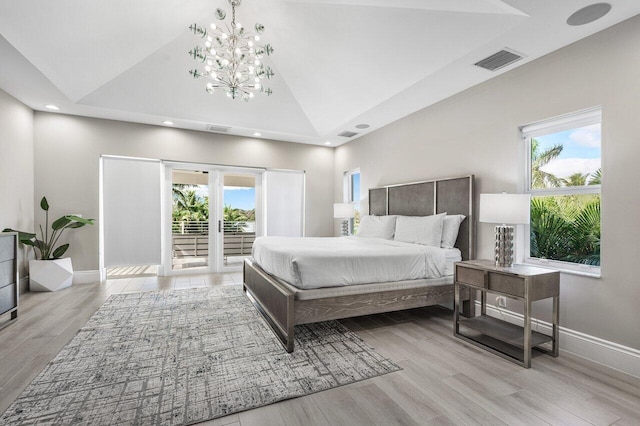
x: 217, y: 129
x: 347, y: 134
x: 498, y: 60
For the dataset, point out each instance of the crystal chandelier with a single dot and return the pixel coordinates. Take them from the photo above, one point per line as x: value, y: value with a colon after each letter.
x: 232, y: 57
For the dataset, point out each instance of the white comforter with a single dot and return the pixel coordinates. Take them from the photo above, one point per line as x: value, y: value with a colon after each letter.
x: 326, y: 262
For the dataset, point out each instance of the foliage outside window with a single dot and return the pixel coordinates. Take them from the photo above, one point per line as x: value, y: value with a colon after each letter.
x: 563, y: 177
x: 352, y: 195
x: 191, y: 212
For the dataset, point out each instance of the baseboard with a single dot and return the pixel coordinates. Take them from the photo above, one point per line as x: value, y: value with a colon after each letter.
x: 609, y: 354
x: 86, y: 277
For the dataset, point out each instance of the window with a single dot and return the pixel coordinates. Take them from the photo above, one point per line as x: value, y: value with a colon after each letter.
x: 563, y: 175
x: 352, y: 195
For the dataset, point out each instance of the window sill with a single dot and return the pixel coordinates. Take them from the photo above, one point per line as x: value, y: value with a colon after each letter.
x: 558, y: 266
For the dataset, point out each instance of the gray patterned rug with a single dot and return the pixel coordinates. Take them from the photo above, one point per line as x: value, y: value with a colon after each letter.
x: 182, y: 357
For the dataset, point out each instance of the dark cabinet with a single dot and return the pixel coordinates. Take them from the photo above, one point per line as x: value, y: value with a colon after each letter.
x: 8, y: 276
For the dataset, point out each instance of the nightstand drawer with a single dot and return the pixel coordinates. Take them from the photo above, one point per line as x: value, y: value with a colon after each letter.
x: 469, y: 276
x: 507, y: 284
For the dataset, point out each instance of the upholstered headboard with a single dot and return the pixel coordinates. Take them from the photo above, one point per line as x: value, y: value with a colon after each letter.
x: 450, y: 195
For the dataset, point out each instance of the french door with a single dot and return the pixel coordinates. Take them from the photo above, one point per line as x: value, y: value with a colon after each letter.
x: 180, y: 218
x: 212, y: 216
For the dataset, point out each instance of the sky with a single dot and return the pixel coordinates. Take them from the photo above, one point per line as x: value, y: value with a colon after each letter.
x: 356, y: 187
x: 240, y: 198
x: 234, y: 196
x: 581, y: 152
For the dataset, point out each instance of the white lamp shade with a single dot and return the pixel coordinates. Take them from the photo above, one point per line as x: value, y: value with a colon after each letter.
x: 343, y: 211
x: 510, y: 209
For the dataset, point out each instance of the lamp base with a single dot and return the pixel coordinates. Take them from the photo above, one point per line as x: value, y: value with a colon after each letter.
x: 504, y: 246
x: 345, y: 228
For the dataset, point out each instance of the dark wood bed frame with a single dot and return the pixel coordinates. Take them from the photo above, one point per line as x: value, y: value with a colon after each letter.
x: 277, y: 302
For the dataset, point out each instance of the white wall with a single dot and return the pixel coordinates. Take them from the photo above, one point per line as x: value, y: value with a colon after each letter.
x: 67, y: 150
x: 16, y: 168
x: 477, y: 132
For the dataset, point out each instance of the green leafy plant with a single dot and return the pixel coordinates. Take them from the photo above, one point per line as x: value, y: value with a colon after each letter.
x: 235, y: 219
x: 188, y: 206
x: 45, y: 247
x: 563, y: 227
x: 566, y: 228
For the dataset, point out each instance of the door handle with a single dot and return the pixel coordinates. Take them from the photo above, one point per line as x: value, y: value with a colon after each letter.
x: 219, y: 226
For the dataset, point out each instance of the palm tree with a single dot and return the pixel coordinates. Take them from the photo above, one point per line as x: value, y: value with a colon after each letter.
x: 236, y: 218
x: 584, y: 235
x: 540, y: 178
x: 595, y: 178
x: 189, y: 207
x: 549, y: 229
x: 562, y: 230
x: 565, y: 228
x: 576, y: 179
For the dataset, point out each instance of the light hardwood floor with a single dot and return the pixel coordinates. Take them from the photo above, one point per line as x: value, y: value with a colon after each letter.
x: 444, y: 381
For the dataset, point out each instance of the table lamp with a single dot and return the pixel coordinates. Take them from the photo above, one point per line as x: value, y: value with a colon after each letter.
x: 506, y: 210
x: 344, y: 211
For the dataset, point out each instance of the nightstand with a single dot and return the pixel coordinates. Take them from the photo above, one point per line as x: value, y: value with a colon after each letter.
x: 521, y: 282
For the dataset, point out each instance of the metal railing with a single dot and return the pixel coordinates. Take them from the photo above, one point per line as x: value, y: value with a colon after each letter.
x: 191, y: 238
x: 202, y: 227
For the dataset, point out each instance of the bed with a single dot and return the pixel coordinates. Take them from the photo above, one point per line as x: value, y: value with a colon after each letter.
x: 284, y: 305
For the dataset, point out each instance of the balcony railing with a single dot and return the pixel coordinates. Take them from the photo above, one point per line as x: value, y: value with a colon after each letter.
x: 191, y: 239
x: 202, y: 227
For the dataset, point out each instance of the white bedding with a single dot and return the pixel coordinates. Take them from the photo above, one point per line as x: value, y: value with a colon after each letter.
x: 452, y: 255
x: 309, y: 263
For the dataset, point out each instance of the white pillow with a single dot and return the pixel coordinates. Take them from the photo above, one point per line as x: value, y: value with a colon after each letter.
x: 450, y: 228
x: 377, y: 227
x: 425, y: 230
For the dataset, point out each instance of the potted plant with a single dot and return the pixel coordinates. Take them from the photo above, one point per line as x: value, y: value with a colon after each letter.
x: 49, y: 271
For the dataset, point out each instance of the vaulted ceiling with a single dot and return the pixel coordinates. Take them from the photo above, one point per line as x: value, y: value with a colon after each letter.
x: 337, y: 63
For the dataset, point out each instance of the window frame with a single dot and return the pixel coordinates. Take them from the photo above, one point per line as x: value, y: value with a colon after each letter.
x: 347, y: 194
x: 558, y: 124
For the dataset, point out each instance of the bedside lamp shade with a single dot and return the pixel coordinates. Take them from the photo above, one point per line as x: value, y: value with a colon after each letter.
x: 512, y: 209
x: 507, y: 210
x: 344, y: 211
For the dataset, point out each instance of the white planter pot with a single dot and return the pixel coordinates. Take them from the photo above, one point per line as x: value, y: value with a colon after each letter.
x: 50, y: 275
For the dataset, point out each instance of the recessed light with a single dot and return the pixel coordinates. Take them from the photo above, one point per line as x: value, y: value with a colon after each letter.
x: 327, y: 143
x: 52, y: 107
x: 167, y: 123
x: 588, y: 14
x: 256, y: 134
x: 362, y: 126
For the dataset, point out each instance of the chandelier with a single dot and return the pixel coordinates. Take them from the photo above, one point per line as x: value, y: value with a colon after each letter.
x: 232, y: 57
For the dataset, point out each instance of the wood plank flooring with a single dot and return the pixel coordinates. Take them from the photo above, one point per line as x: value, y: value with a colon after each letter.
x: 444, y: 380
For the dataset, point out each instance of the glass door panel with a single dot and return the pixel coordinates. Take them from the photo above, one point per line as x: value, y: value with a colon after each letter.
x: 189, y: 219
x: 239, y: 223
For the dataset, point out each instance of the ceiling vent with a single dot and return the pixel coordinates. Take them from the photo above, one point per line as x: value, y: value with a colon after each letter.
x: 347, y: 134
x: 217, y: 129
x: 498, y: 60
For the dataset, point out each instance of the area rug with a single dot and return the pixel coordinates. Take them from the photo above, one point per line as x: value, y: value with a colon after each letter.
x: 182, y: 357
